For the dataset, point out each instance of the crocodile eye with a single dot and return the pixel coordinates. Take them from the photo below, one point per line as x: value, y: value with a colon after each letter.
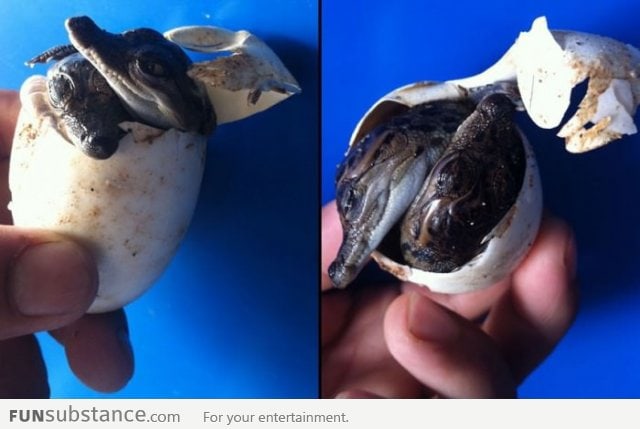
x: 61, y: 90
x: 154, y: 67
x: 351, y: 201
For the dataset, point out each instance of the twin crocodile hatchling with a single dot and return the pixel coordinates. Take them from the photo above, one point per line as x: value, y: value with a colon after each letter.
x: 110, y: 146
x: 103, y: 79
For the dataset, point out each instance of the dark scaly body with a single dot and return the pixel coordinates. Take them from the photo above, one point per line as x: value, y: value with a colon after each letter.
x: 381, y: 175
x: 469, y: 191
x: 103, y: 79
x: 149, y: 74
x: 446, y: 171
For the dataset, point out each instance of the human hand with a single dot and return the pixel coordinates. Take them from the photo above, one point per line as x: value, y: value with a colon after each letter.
x: 400, y: 340
x: 47, y: 283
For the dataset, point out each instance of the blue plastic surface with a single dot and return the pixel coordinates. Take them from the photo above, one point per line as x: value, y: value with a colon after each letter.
x: 235, y: 314
x: 372, y: 47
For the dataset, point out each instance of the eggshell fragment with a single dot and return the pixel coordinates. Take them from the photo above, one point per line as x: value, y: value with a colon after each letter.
x: 551, y: 63
x: 247, y: 79
x: 548, y: 64
x: 131, y: 210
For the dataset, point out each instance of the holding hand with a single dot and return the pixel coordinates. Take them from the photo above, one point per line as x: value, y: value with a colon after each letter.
x: 47, y: 282
x: 400, y: 340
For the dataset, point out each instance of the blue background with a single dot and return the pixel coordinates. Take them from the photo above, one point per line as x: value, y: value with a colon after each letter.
x: 235, y: 314
x: 371, y: 47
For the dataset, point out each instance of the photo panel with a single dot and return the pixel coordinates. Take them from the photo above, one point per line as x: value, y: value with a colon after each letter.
x: 379, y: 59
x: 232, y: 311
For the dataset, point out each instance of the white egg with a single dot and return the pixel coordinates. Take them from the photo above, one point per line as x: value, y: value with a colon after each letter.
x: 131, y: 210
x: 510, y: 239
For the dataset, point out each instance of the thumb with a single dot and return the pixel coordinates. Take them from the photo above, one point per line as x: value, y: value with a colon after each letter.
x: 445, y: 352
x: 46, y: 281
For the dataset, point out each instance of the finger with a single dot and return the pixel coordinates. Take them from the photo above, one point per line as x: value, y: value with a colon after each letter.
x: 471, y: 305
x: 359, y: 359
x: 334, y: 311
x: 45, y: 281
x: 444, y: 351
x: 5, y: 193
x: 22, y: 370
x: 9, y: 108
x: 331, y: 239
x: 529, y: 321
x: 98, y: 350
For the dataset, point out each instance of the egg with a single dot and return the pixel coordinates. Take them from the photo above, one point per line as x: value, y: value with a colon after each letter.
x: 130, y: 210
x: 129, y: 201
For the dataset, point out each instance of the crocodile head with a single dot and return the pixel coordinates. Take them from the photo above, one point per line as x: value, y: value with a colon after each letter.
x: 149, y: 74
x: 88, y: 108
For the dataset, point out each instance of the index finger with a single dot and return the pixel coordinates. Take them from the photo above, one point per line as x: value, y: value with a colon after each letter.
x: 9, y: 108
x: 529, y: 321
x: 331, y: 238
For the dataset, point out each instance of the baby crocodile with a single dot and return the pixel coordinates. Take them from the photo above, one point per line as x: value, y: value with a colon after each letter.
x: 89, y: 109
x: 444, y: 172
x: 103, y: 79
x: 149, y: 74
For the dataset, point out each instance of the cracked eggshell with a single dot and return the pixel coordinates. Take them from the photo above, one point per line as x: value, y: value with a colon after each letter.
x: 509, y: 241
x: 547, y: 65
x: 247, y: 79
x: 551, y: 63
x: 131, y: 210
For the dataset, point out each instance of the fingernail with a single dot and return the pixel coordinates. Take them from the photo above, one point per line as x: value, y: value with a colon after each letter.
x: 430, y: 322
x: 357, y: 394
x: 52, y: 278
